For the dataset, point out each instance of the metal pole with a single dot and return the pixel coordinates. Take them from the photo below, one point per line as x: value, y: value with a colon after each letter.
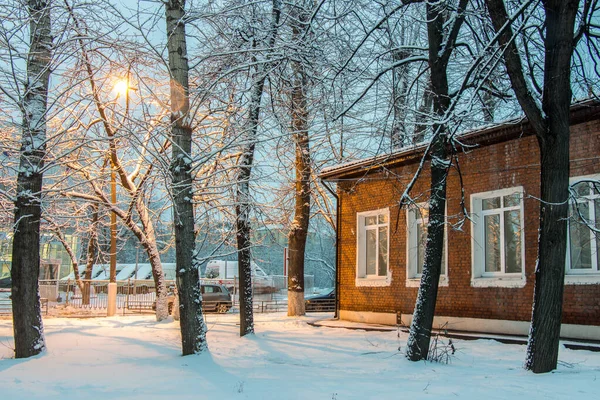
x: 338, y: 220
x: 112, y: 285
x: 137, y: 257
x: 113, y: 226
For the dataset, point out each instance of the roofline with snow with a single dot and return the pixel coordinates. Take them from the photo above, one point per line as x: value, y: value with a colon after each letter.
x: 580, y: 112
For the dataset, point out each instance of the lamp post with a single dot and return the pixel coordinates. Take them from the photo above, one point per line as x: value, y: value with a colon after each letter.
x: 122, y: 88
x: 112, y: 283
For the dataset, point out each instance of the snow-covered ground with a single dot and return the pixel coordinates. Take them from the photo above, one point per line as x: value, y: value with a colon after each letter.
x: 138, y: 358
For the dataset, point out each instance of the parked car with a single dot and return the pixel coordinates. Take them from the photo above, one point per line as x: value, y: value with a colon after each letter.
x: 215, y: 298
x: 321, y: 302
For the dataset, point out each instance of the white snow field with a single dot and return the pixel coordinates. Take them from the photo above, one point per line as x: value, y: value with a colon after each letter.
x: 138, y: 358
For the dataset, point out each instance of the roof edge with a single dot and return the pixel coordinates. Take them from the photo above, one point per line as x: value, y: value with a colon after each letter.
x: 581, y: 112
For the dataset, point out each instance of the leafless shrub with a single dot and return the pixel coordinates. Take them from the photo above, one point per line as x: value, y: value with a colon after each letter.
x: 441, y: 350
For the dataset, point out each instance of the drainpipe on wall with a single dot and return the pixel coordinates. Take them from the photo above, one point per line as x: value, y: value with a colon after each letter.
x: 337, y: 249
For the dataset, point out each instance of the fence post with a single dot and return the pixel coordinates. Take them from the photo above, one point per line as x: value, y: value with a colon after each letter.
x: 67, y: 291
x: 128, y: 289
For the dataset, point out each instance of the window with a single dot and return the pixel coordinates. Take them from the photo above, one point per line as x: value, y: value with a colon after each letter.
x: 372, y: 248
x: 210, y: 289
x: 583, y: 257
x: 498, y: 248
x: 417, y: 219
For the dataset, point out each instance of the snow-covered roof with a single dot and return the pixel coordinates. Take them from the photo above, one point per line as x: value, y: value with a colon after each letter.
x: 580, y: 112
x: 124, y: 271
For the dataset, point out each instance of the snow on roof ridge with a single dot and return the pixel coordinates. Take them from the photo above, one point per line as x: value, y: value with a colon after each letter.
x: 373, y: 160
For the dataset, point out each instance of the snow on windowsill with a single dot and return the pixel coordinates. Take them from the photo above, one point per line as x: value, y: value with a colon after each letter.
x: 580, y: 279
x: 374, y: 282
x: 499, y: 282
x: 416, y: 282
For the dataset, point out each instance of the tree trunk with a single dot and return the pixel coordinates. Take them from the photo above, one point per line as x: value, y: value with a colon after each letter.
x: 544, y: 333
x: 242, y: 211
x: 422, y: 322
x: 91, y: 255
x: 440, y: 49
x: 193, y: 326
x: 400, y: 80
x: 299, y: 229
x: 27, y: 318
x: 61, y: 238
x: 242, y: 196
x: 551, y: 124
x: 421, y: 118
x: 244, y: 254
x: 149, y: 244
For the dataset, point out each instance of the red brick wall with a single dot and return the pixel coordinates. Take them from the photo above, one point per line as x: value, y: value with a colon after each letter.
x: 498, y: 166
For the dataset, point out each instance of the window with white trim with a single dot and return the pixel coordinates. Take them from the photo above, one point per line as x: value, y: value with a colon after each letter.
x: 417, y: 220
x: 583, y: 255
x: 498, y: 246
x: 372, y: 247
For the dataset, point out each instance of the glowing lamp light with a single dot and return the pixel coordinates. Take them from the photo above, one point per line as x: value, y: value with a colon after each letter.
x: 121, y: 87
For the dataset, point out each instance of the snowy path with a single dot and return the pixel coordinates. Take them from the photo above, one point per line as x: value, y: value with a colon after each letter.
x: 138, y: 358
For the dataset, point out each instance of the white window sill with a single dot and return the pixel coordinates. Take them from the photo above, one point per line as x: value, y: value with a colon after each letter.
x: 501, y: 282
x: 416, y: 282
x: 374, y: 282
x: 581, y: 279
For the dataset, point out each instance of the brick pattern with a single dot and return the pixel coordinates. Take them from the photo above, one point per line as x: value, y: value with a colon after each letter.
x: 498, y: 166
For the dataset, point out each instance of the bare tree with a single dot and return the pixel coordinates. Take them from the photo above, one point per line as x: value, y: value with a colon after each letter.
x: 193, y: 326
x: 242, y: 191
x: 550, y: 122
x: 133, y: 183
x: 443, y: 27
x: 299, y: 16
x: 27, y: 319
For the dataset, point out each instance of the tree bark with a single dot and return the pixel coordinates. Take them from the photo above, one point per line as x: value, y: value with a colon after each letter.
x: 400, y: 81
x: 242, y: 211
x: 299, y: 229
x: 544, y: 334
x: 551, y: 124
x: 27, y: 318
x: 91, y: 255
x: 440, y: 49
x: 421, y: 118
x: 422, y: 322
x: 193, y: 326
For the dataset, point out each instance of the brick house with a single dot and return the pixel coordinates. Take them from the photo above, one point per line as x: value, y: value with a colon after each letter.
x: 488, y: 272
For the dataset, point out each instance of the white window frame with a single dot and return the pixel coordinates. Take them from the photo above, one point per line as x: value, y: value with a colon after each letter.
x: 479, y: 277
x: 362, y: 279
x: 581, y: 276
x: 413, y: 278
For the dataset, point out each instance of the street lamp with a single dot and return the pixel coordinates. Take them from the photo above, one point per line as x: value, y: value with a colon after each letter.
x: 121, y: 88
